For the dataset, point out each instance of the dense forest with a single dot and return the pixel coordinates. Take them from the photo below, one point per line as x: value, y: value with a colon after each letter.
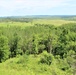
x: 45, y: 49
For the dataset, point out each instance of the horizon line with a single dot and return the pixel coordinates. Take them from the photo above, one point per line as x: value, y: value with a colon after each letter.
x: 35, y: 15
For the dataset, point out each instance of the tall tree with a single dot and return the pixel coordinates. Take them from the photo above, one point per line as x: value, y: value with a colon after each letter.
x: 4, y: 48
x: 14, y: 46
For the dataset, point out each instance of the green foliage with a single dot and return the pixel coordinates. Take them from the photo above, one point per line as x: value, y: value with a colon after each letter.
x: 14, y: 46
x: 29, y: 64
x: 46, y: 58
x: 50, y: 49
x: 23, y: 59
x: 4, y: 49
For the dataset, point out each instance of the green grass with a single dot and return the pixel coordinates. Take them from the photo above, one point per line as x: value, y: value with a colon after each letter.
x: 57, y: 22
x: 17, y: 24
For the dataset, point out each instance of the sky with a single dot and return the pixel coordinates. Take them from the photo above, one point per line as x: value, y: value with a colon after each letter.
x: 37, y: 7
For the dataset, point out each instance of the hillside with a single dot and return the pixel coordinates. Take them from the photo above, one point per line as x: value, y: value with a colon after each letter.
x: 37, y: 47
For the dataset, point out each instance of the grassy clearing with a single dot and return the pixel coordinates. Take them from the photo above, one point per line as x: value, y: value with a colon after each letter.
x: 57, y: 22
x: 17, y: 24
x: 37, y: 21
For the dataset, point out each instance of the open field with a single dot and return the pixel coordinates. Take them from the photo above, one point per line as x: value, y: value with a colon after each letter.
x: 58, y: 22
x: 20, y: 24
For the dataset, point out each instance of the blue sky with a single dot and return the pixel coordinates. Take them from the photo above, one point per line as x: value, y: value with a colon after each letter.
x: 37, y: 7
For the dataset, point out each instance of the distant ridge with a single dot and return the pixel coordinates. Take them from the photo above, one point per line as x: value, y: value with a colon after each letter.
x: 41, y: 16
x: 64, y: 17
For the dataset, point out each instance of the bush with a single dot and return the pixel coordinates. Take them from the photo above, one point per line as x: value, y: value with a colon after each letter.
x: 46, y: 58
x: 23, y: 59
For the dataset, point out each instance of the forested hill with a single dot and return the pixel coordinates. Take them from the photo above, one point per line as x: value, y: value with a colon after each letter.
x: 38, y: 47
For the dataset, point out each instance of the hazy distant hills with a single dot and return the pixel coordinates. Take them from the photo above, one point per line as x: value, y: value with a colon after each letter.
x: 23, y: 18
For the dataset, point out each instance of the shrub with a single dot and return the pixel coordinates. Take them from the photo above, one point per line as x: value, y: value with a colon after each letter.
x: 46, y: 58
x: 23, y: 59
